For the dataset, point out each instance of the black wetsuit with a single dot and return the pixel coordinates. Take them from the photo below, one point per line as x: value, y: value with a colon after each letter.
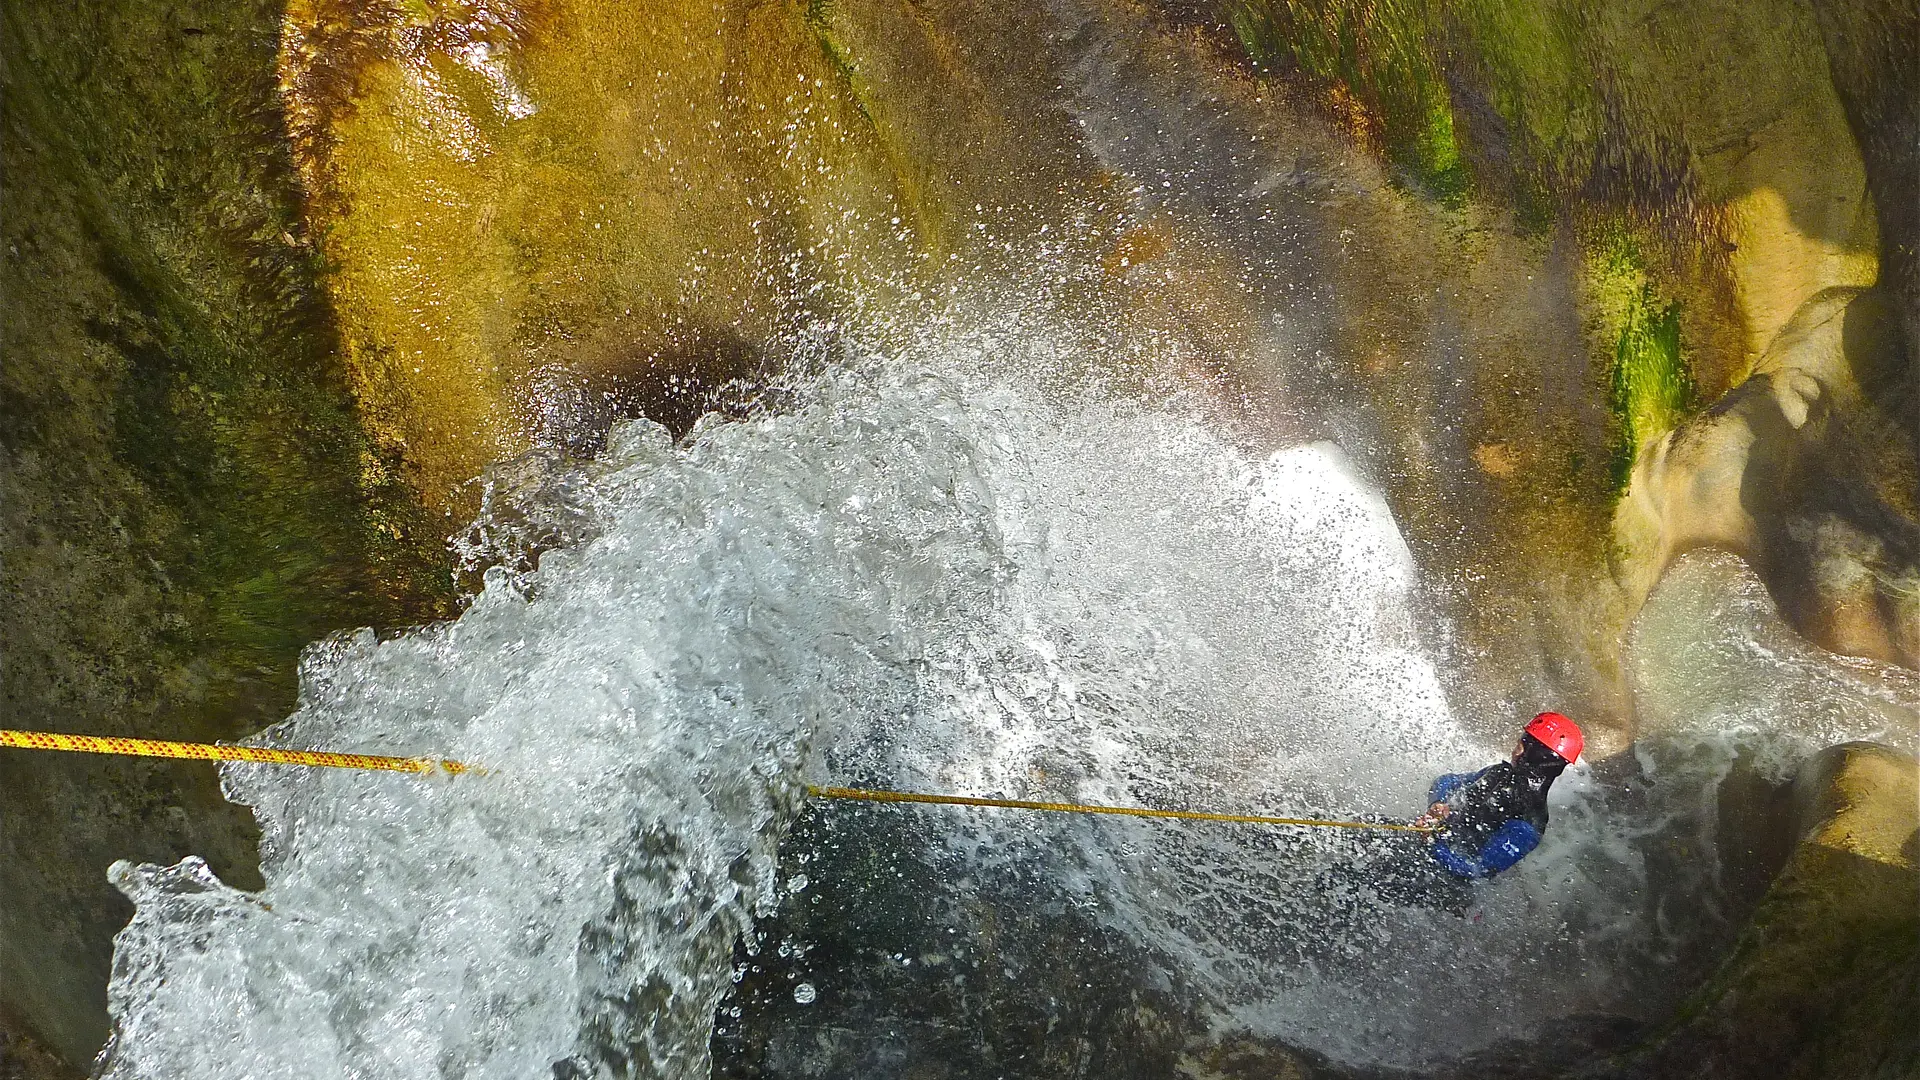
x: 1490, y: 810
x: 1498, y: 814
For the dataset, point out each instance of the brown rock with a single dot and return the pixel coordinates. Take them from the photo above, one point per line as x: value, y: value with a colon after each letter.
x: 1825, y: 983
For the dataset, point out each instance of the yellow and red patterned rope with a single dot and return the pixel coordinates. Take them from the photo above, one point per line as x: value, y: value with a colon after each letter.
x: 99, y: 744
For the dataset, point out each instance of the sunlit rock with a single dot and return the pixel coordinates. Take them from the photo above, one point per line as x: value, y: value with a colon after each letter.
x: 1825, y: 979
x: 1805, y: 471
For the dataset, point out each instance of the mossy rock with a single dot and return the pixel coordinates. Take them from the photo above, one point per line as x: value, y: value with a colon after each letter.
x: 186, y: 500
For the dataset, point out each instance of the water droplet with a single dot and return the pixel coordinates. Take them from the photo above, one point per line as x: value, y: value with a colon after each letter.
x: 805, y: 993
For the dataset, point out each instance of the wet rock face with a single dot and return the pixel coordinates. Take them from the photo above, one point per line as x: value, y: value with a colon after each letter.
x: 627, y: 197
x: 184, y: 498
x: 1877, y: 75
x: 1806, y: 471
x: 1806, y: 468
x: 1825, y: 981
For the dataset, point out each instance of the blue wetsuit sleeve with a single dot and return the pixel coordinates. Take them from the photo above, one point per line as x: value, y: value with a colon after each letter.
x: 1457, y: 866
x: 1508, y: 845
x: 1444, y: 787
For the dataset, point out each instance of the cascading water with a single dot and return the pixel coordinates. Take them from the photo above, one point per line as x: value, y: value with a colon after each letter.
x: 925, y: 572
x: 644, y: 715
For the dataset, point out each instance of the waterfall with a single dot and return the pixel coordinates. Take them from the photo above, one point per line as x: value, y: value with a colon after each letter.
x: 927, y: 569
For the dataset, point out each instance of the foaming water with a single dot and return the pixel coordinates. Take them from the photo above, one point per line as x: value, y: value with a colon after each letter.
x: 925, y: 573
x: 644, y: 713
x: 1711, y: 653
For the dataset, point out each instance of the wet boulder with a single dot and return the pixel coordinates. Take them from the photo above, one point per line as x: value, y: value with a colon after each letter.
x: 1825, y: 982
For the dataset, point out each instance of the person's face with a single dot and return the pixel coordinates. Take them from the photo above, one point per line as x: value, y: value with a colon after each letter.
x: 1519, y: 749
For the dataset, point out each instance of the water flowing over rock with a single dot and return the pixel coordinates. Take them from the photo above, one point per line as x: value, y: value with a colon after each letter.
x: 1248, y: 405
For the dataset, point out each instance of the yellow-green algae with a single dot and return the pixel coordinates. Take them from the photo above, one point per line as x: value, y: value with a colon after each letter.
x: 1650, y: 387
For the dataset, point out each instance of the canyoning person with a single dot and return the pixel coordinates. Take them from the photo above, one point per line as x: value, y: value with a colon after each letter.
x: 1483, y: 822
x: 1489, y: 820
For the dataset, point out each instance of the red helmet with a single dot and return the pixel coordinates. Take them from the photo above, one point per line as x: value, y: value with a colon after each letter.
x: 1559, y: 734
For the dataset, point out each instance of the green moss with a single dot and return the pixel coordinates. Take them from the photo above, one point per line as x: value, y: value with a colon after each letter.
x: 1436, y: 153
x: 1650, y: 386
x: 185, y: 498
x: 819, y: 18
x: 1649, y: 390
x: 1570, y: 115
x: 1379, y: 54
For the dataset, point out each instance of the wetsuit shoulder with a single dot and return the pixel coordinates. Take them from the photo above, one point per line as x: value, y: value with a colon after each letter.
x: 1497, y: 819
x: 1444, y: 787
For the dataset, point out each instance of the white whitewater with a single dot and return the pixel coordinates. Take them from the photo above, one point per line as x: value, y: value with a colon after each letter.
x: 644, y: 717
x: 929, y: 574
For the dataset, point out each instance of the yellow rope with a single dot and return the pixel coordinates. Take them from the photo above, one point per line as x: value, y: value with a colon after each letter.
x: 866, y: 795
x: 96, y: 744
